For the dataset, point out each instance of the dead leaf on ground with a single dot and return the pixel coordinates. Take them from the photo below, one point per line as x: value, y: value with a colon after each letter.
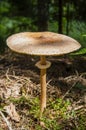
x: 11, y: 111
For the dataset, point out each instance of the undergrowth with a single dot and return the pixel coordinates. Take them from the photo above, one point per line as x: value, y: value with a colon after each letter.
x: 55, y: 117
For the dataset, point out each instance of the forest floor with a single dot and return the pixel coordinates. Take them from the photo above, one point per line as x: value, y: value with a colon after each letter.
x: 20, y: 93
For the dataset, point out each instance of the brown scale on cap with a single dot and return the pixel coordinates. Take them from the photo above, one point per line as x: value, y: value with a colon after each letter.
x: 42, y: 37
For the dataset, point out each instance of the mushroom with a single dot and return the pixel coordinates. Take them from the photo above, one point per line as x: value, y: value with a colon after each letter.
x: 42, y: 44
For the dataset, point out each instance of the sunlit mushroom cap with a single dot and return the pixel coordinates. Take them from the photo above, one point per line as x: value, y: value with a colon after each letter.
x: 42, y: 43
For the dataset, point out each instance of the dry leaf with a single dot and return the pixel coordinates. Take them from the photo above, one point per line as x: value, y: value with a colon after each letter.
x: 42, y: 124
x: 83, y: 81
x: 11, y: 111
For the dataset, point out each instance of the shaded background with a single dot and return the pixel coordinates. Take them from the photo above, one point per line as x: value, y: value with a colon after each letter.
x: 61, y: 16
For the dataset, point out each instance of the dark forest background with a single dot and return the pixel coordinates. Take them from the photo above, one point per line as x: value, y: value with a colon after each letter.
x: 61, y: 16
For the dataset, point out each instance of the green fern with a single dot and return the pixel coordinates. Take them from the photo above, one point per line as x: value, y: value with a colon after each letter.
x: 82, y: 51
x: 84, y: 35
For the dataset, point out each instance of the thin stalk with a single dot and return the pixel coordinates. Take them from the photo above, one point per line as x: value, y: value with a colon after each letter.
x: 43, y: 85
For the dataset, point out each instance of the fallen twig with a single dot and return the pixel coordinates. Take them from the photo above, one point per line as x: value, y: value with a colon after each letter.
x: 68, y: 90
x: 75, y: 78
x: 7, y: 122
x: 8, y: 76
x: 78, y: 108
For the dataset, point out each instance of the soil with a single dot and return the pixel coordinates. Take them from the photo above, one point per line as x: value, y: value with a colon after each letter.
x: 66, y: 79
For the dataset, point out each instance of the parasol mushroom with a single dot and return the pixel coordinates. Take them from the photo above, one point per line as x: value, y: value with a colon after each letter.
x: 42, y: 44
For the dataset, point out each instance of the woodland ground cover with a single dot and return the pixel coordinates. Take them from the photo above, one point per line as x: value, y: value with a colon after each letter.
x: 20, y: 93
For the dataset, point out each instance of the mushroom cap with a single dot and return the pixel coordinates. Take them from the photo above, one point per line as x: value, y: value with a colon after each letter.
x: 42, y: 43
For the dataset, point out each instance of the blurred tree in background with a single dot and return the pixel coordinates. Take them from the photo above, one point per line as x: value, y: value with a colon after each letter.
x: 67, y: 17
x: 43, y: 14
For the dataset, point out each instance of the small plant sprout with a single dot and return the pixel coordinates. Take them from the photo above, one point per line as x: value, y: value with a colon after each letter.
x: 42, y: 44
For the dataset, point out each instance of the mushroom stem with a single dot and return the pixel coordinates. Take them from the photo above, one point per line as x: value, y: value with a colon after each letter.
x: 43, y: 85
x: 43, y: 65
x: 43, y: 60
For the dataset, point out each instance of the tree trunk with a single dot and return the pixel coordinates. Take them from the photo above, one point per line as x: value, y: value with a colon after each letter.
x: 67, y: 18
x: 60, y: 5
x: 43, y: 14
